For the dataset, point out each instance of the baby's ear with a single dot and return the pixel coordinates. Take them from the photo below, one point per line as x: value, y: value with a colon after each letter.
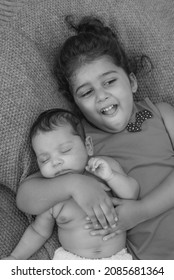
x: 89, y: 146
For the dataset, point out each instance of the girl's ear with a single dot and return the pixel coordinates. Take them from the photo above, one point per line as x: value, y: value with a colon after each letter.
x: 133, y: 82
x: 89, y: 146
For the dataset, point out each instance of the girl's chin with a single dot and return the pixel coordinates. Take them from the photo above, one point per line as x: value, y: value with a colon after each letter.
x: 112, y: 127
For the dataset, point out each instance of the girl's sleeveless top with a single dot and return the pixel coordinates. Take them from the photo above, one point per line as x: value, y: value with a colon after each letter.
x: 148, y: 157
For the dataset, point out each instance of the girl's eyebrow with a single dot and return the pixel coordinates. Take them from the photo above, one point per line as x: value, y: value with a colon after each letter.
x: 103, y: 74
x: 83, y: 85
x: 109, y: 72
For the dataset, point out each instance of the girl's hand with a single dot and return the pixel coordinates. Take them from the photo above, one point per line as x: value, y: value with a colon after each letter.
x: 95, y: 202
x: 129, y: 213
x: 106, y: 233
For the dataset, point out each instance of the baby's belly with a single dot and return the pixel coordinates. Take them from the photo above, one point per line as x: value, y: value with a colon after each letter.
x: 78, y: 240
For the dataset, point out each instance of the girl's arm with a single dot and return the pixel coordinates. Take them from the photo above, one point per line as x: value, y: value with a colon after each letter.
x: 161, y: 198
x: 158, y: 201
x: 132, y: 212
x: 37, y: 194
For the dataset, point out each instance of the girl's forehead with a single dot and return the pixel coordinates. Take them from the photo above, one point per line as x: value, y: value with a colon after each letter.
x: 103, y: 60
x: 98, y: 66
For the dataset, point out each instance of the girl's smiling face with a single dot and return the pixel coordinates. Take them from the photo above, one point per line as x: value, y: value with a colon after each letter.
x: 103, y: 93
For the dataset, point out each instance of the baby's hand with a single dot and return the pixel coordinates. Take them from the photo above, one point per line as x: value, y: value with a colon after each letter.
x: 100, y: 168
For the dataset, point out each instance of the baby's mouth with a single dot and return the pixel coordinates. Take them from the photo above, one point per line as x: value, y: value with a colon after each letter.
x: 109, y: 110
x: 62, y: 172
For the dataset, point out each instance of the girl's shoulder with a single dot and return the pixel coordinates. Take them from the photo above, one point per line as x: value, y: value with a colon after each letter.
x: 165, y: 111
x: 149, y: 105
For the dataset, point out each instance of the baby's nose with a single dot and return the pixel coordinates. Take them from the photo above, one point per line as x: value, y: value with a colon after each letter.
x: 57, y: 161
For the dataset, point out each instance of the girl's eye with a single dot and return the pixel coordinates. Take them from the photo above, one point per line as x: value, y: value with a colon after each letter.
x: 86, y: 94
x: 110, y: 82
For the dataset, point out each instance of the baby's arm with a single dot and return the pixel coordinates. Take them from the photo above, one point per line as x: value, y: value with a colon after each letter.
x: 112, y: 173
x: 37, y: 194
x: 34, y: 237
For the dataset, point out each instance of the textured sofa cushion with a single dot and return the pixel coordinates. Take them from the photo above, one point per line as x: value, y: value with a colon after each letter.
x: 13, y: 225
x: 29, y: 45
x: 27, y: 88
x: 9, y: 214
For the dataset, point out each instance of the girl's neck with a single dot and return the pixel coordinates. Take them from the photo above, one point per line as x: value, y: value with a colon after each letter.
x: 134, y: 111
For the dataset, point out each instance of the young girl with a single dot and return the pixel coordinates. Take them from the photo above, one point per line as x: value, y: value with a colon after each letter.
x: 95, y: 72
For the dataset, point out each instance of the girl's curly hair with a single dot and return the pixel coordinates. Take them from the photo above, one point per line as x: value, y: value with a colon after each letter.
x: 92, y: 40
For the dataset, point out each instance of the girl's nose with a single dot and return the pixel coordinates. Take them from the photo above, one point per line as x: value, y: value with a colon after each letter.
x: 101, y: 95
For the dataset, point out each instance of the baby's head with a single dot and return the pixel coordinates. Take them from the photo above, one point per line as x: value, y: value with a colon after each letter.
x: 59, y: 142
x: 89, y: 68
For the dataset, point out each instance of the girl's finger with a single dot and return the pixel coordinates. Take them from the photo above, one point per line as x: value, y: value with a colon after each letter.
x: 102, y: 232
x: 101, y: 217
x: 109, y: 236
x: 110, y: 213
x: 92, y: 217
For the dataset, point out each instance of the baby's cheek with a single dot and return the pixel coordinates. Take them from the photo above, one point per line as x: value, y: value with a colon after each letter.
x: 42, y: 171
x: 45, y: 171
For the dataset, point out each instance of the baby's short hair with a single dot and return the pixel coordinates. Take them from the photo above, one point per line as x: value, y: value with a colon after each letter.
x: 49, y: 120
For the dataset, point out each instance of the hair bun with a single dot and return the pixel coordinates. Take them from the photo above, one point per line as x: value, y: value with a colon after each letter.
x: 91, y: 24
x: 88, y: 24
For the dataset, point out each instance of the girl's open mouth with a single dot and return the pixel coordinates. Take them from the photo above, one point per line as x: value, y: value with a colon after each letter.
x: 110, y: 110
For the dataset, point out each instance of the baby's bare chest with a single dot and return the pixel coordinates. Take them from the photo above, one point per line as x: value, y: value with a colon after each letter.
x: 68, y: 212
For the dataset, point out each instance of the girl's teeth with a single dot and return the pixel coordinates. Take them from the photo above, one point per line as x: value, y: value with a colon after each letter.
x: 105, y: 110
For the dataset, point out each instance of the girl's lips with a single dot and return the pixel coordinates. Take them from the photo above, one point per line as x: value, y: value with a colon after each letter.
x: 110, y: 110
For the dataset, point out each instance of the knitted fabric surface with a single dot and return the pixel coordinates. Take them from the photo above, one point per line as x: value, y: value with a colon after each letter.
x: 8, y: 9
x: 29, y: 42
x: 13, y: 225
